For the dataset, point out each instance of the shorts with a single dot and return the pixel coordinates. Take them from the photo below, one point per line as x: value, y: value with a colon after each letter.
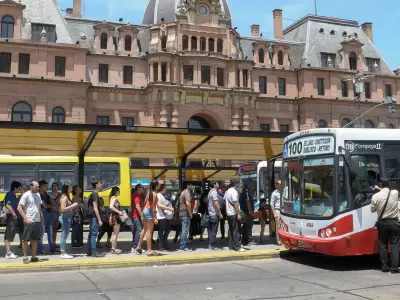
x: 147, y: 214
x: 32, y: 232
x: 114, y: 219
x: 13, y: 226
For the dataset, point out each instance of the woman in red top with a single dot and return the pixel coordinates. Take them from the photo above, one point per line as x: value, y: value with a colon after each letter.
x: 148, y: 218
x: 137, y: 207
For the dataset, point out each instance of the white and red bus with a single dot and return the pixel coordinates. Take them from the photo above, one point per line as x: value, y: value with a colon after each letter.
x: 342, y: 165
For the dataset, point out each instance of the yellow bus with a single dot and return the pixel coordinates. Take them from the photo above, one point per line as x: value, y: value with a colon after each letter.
x: 64, y: 170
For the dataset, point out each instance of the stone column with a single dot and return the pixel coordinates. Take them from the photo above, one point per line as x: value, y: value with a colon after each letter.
x: 169, y: 70
x: 249, y: 83
x: 151, y: 71
x: 159, y: 68
x: 241, y: 78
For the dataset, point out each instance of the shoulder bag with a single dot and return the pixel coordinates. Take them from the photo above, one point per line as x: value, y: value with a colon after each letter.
x: 205, y: 218
x: 376, y: 226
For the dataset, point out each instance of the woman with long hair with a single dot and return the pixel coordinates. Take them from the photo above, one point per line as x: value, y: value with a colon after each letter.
x: 77, y: 218
x: 165, y: 213
x: 149, y: 216
x: 115, y: 218
x: 66, y: 212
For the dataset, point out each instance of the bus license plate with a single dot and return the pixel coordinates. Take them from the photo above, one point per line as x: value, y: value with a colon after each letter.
x: 301, y: 244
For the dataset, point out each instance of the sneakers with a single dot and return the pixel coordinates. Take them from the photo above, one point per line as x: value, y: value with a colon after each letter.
x: 66, y: 256
x: 186, y: 250
x: 25, y: 260
x: 34, y: 259
x: 241, y: 250
x: 116, y: 251
x: 11, y: 256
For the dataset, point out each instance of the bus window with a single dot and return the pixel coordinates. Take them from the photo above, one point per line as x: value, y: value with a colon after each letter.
x: 392, y: 165
x: 90, y: 175
x: 57, y: 173
x: 24, y: 173
x: 343, y: 203
x: 109, y: 175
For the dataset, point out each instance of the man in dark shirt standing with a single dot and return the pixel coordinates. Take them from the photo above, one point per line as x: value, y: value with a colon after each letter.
x: 247, y: 206
x: 94, y: 219
x: 47, y: 205
x: 11, y: 203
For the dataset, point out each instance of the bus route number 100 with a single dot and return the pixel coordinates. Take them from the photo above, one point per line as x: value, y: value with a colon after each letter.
x: 295, y: 148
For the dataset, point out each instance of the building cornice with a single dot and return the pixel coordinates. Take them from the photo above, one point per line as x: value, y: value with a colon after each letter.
x: 45, y: 80
x: 32, y: 44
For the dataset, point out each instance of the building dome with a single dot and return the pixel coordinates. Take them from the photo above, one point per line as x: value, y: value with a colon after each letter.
x: 157, y: 9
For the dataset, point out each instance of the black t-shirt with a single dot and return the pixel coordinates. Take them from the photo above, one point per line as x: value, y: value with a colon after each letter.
x: 94, y: 197
x: 46, y: 199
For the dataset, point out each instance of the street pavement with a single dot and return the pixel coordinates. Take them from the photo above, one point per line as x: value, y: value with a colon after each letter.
x: 296, y: 275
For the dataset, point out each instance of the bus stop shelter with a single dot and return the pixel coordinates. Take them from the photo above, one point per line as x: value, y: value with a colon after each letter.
x: 48, y: 139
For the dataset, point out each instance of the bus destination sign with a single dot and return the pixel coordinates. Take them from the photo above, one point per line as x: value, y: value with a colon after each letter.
x: 309, y: 145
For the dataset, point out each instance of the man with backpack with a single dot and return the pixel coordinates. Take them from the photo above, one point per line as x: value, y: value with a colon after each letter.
x: 94, y: 217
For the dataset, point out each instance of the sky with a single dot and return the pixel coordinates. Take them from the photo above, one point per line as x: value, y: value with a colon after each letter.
x: 248, y: 12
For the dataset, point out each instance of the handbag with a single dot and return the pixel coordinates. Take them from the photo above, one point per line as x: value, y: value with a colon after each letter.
x: 205, y: 220
x: 376, y: 226
x: 124, y: 217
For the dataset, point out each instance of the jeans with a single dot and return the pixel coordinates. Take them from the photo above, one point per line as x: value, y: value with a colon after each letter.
x: 389, y: 231
x: 137, y: 229
x: 93, y: 233
x: 65, y: 221
x: 163, y: 232
x: 185, y: 232
x: 222, y: 223
x: 233, y: 233
x: 212, y: 230
x: 77, y: 233
x: 48, y: 226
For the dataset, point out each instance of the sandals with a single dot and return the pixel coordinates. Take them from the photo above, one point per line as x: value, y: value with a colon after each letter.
x: 153, y: 253
x: 116, y: 251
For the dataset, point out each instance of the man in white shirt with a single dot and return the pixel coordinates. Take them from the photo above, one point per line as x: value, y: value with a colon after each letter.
x: 233, y: 215
x: 388, y: 227
x: 30, y: 210
x: 276, y: 207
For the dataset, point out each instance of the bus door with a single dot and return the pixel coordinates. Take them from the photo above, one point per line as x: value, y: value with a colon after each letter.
x: 270, y: 189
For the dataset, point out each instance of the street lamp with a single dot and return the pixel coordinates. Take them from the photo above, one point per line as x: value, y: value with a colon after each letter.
x: 358, y: 84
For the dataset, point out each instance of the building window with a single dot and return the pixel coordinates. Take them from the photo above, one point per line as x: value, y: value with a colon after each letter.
x: 353, y: 61
x: 388, y: 90
x: 7, y: 27
x: 211, y: 45
x: 188, y: 74
x: 238, y: 78
x: 373, y: 64
x: 155, y: 72
x: 194, y: 43
x: 205, y: 75
x: 220, y: 77
x: 203, y: 44
x: 321, y: 124
x: 265, y: 127
x: 24, y: 63
x: 5, y: 62
x: 328, y: 60
x: 50, y: 31
x: 103, y: 73
x: 282, y: 86
x: 58, y: 115
x: 128, y: 43
x: 345, y: 122
x: 164, y: 72
x: 185, y: 42
x: 367, y: 90
x: 103, y: 120
x: 369, y: 124
x: 60, y: 66
x: 128, y: 74
x: 103, y: 41
x: 21, y: 112
x: 220, y: 46
x: 280, y: 58
x: 345, y: 88
x: 128, y: 122
x: 246, y: 78
x: 262, y: 84
x: 164, y: 44
x: 391, y: 126
x: 321, y: 86
x: 284, y: 128
x: 261, y: 56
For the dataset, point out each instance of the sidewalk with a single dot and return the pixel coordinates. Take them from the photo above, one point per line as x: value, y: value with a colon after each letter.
x: 200, y: 254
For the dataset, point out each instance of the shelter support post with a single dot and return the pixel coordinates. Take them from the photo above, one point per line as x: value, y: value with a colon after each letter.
x: 161, y: 174
x: 183, y: 160
x: 81, y: 157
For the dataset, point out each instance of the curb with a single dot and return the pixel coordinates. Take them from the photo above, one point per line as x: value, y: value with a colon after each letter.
x: 104, y: 263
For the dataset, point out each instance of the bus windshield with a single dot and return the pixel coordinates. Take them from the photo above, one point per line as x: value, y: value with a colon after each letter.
x: 308, y: 187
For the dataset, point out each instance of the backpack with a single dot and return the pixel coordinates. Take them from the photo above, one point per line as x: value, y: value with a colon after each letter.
x: 177, y: 206
x: 87, y: 207
x: 3, y: 212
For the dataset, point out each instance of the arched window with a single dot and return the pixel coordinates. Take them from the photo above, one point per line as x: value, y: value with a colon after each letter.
x: 261, y: 56
x: 220, y: 46
x: 345, y: 122
x: 185, y: 43
x: 280, y: 58
x: 197, y: 122
x: 321, y: 124
x: 194, y: 43
x: 202, y: 44
x: 211, y: 45
x: 128, y: 43
x: 58, y: 115
x: 7, y: 27
x: 391, y: 126
x: 353, y: 61
x: 21, y: 112
x: 369, y: 124
x: 103, y: 41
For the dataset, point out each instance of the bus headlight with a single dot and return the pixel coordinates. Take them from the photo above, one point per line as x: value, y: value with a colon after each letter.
x: 322, y: 233
x: 328, y: 232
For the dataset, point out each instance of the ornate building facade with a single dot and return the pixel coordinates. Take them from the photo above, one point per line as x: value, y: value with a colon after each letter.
x: 187, y: 65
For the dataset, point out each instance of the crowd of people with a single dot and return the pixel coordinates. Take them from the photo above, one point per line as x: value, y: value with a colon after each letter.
x: 33, y: 212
